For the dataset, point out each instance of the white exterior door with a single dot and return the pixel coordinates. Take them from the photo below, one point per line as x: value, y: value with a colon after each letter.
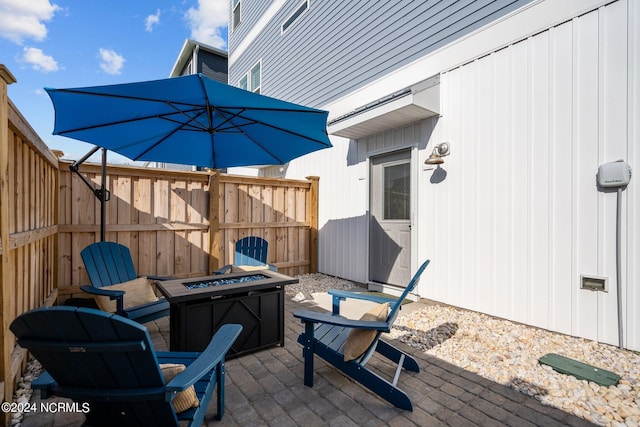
x: 390, y: 219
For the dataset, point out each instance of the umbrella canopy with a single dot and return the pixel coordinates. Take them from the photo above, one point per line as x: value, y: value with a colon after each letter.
x: 190, y: 120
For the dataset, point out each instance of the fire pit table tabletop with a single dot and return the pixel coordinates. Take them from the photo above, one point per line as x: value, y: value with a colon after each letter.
x: 177, y: 290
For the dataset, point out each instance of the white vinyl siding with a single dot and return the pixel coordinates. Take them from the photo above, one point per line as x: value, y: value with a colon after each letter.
x: 519, y: 218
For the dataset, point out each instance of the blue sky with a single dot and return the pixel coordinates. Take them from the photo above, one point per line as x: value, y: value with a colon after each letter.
x: 73, y: 43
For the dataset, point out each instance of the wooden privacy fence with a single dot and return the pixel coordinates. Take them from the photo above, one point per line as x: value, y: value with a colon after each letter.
x: 162, y: 216
x: 183, y: 223
x: 178, y: 223
x: 28, y: 228
x: 283, y: 212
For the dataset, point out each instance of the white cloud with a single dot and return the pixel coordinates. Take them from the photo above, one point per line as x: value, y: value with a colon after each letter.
x: 111, y: 62
x: 20, y: 19
x: 209, y: 21
x: 151, y: 21
x: 38, y: 60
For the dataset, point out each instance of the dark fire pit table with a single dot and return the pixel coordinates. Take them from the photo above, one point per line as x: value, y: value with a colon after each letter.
x: 200, y: 305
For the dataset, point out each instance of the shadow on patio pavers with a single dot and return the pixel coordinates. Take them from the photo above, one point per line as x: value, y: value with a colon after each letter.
x: 266, y: 388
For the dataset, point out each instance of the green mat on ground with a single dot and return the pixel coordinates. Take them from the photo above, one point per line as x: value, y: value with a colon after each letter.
x: 580, y: 370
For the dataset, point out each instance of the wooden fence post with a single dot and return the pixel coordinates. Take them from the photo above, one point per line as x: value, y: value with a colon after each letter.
x: 214, y: 221
x: 6, y: 78
x: 312, y: 204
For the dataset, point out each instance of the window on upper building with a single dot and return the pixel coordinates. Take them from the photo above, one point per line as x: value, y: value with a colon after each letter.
x: 244, y: 82
x: 304, y: 6
x: 252, y: 81
x: 235, y: 8
x: 256, y: 78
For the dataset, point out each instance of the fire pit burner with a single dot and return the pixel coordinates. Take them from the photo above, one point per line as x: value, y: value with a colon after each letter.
x: 220, y: 282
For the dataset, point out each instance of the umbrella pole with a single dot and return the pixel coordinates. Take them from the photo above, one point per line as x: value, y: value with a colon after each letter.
x: 103, y: 195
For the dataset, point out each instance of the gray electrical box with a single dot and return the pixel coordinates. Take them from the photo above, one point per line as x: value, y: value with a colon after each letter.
x: 614, y: 174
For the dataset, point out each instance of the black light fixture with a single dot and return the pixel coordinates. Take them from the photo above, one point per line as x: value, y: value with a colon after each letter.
x: 439, y: 151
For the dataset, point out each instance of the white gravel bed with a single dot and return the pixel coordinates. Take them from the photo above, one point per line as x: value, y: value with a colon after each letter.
x: 508, y: 353
x: 23, y: 392
x: 315, y: 282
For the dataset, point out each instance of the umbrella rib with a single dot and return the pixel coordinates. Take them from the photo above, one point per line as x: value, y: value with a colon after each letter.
x: 260, y: 122
x: 122, y: 96
x: 225, y: 114
x: 167, y: 136
x: 305, y: 110
x: 210, y: 118
x: 279, y: 160
x: 191, y: 119
x: 228, y: 120
x: 141, y: 98
x: 164, y: 116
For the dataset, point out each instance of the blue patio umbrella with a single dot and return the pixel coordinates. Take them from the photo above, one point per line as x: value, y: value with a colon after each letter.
x: 190, y: 120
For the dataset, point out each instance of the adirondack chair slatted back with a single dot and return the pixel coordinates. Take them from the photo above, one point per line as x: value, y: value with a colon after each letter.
x: 108, y: 263
x: 101, y: 355
x: 395, y: 307
x: 394, y: 310
x: 251, y: 250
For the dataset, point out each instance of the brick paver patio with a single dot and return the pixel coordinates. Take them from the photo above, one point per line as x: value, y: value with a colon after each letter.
x: 266, y: 389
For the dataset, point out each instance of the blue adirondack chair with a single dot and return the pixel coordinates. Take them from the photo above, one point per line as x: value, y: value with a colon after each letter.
x: 325, y: 335
x: 109, y: 363
x: 250, y: 251
x: 110, y: 263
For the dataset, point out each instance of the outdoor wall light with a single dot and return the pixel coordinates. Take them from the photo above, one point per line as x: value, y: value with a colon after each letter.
x: 439, y: 151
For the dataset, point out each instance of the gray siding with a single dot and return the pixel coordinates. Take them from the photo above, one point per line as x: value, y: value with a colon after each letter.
x: 339, y: 46
x: 212, y: 65
x: 250, y: 13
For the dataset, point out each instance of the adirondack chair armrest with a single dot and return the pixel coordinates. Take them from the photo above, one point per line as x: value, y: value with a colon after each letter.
x: 308, y: 316
x: 210, y: 357
x: 44, y: 383
x: 338, y: 295
x: 113, y: 295
x: 102, y: 291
